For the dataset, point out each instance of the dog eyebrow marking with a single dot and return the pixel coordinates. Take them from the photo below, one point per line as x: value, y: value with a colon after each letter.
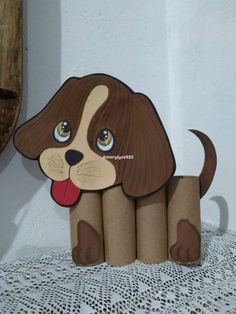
x: 93, y: 172
x: 95, y: 99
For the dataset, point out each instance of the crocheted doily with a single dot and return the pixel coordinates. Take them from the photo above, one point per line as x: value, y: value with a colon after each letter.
x: 51, y: 283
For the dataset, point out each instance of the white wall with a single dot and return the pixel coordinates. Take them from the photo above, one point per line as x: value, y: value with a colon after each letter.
x: 119, y: 38
x: 180, y: 53
x: 29, y: 219
x: 126, y: 39
x: 202, y: 68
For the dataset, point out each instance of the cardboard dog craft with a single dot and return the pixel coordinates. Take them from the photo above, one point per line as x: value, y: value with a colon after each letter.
x: 110, y: 160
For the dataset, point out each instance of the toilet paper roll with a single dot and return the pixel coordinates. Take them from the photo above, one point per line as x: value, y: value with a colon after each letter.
x: 151, y: 224
x: 184, y: 240
x: 119, y: 227
x: 87, y: 229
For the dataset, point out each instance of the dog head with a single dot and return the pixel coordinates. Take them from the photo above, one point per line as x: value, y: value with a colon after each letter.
x: 96, y: 133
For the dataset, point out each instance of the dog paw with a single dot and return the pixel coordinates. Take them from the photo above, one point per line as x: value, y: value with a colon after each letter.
x: 187, y: 247
x: 88, y: 250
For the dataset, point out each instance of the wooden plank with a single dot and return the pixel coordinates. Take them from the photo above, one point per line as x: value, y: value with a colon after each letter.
x: 10, y: 67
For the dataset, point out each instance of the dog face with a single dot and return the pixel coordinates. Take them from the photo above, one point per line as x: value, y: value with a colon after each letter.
x: 95, y: 133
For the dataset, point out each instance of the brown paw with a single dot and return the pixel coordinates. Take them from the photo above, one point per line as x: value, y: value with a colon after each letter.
x: 88, y: 250
x: 187, y: 247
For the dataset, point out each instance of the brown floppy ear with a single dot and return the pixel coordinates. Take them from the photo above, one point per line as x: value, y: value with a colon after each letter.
x: 28, y: 138
x: 31, y: 138
x: 153, y: 162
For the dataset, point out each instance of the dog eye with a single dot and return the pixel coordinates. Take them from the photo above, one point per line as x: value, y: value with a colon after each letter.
x: 62, y: 131
x: 105, y: 140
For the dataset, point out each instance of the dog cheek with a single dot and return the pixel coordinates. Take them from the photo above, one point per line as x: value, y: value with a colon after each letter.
x: 93, y: 174
x: 53, y: 165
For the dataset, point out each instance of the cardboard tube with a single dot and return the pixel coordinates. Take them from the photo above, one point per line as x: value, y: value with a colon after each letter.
x: 151, y: 223
x: 119, y: 227
x: 87, y: 229
x: 184, y: 240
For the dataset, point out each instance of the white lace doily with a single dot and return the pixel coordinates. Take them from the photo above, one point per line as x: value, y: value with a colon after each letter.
x: 53, y: 284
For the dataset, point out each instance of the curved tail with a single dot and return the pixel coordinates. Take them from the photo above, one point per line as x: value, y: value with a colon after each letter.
x: 210, y: 162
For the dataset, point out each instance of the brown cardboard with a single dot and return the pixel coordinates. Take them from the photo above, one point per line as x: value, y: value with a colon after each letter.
x: 151, y: 224
x: 210, y: 162
x: 183, y: 193
x: 88, y: 210
x: 119, y: 227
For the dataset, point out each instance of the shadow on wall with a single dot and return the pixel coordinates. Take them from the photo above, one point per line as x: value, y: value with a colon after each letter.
x: 224, y: 212
x: 20, y: 178
x: 224, y: 216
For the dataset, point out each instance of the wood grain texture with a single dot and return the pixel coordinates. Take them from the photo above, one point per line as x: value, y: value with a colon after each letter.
x: 210, y: 162
x: 10, y: 66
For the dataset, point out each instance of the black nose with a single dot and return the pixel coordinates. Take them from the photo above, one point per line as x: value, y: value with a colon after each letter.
x: 73, y: 157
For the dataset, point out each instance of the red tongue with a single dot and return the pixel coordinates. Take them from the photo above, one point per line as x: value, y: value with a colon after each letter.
x: 65, y: 192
